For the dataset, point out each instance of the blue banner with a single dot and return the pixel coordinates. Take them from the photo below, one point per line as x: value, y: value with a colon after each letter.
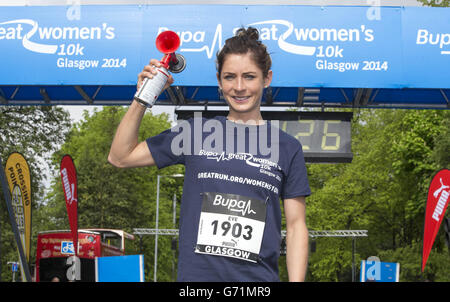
x: 376, y: 271
x: 311, y: 46
x: 128, y: 268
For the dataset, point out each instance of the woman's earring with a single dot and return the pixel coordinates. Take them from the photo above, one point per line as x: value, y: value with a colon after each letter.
x: 220, y: 93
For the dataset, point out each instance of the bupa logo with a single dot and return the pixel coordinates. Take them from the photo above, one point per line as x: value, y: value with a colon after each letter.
x: 425, y: 37
x: 198, y: 37
x: 242, y: 206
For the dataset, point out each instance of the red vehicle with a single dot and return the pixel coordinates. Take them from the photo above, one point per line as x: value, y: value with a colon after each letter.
x: 54, y: 248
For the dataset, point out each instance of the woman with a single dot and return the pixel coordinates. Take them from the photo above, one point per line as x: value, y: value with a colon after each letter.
x: 230, y: 216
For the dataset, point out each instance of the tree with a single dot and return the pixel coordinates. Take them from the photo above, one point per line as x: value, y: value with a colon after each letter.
x: 383, y: 190
x: 396, y: 152
x: 35, y: 132
x: 441, y: 154
x: 110, y: 197
x: 436, y: 3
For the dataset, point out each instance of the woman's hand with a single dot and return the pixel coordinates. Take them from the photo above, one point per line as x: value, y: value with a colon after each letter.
x: 149, y: 71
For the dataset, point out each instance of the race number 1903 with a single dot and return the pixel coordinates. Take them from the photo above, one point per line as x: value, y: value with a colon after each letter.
x: 236, y: 229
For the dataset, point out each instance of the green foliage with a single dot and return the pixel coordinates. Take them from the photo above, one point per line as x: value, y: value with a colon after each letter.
x: 383, y: 190
x: 35, y: 132
x: 440, y: 154
x: 435, y: 3
x: 110, y: 197
x: 410, y: 259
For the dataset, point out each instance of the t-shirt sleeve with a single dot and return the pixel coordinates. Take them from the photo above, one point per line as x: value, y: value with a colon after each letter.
x: 170, y: 146
x: 296, y: 183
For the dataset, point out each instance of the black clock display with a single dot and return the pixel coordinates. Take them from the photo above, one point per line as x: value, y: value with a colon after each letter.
x: 325, y: 136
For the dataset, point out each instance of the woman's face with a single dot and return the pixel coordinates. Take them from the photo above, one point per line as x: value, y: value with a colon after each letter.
x: 242, y: 83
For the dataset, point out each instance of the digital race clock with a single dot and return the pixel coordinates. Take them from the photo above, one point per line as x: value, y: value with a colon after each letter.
x: 325, y: 136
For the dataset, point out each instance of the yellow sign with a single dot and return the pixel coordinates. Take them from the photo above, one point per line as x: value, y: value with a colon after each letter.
x: 19, y: 181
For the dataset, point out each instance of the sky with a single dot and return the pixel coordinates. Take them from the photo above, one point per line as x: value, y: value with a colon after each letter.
x: 76, y: 112
x: 199, y: 2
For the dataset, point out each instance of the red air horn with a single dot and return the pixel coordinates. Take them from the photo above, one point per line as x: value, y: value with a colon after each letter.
x: 167, y: 42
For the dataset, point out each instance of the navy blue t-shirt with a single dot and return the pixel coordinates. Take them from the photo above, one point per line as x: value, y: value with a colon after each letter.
x: 235, y: 175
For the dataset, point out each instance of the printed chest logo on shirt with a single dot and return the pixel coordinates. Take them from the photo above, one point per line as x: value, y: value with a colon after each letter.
x: 231, y: 225
x: 265, y: 166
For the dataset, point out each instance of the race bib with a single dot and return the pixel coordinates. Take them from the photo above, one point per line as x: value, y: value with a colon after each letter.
x: 231, y: 226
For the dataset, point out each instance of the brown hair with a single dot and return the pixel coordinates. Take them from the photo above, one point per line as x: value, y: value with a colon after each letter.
x: 244, y: 41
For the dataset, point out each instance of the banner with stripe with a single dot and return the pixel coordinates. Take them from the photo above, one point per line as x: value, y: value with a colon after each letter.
x: 437, y: 202
x: 69, y: 183
x: 19, y: 182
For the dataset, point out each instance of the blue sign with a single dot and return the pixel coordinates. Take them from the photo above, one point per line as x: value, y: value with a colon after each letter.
x: 311, y: 46
x: 119, y: 268
x: 67, y: 248
x: 15, y: 267
x: 376, y: 271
